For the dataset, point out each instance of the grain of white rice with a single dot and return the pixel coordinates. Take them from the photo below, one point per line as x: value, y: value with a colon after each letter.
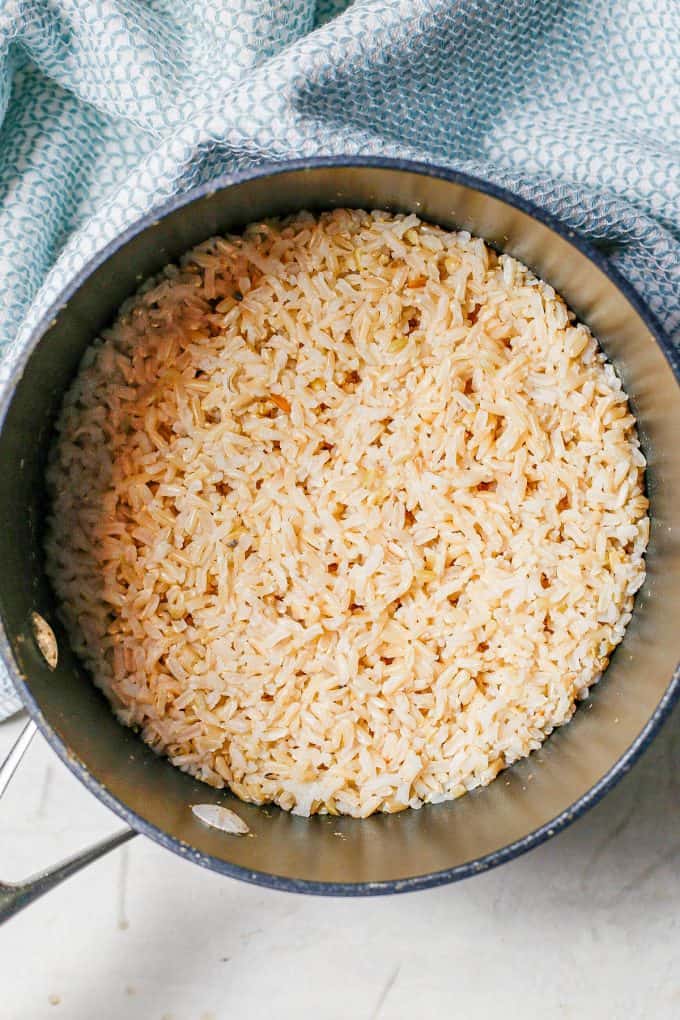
x: 347, y: 513
x: 218, y: 817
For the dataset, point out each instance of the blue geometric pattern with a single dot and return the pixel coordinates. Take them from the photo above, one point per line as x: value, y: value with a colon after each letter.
x: 109, y: 106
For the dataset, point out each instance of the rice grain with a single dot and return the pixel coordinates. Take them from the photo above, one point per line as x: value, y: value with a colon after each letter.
x: 347, y: 512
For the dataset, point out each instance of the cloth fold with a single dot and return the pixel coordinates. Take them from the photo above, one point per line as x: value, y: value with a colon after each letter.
x: 110, y: 106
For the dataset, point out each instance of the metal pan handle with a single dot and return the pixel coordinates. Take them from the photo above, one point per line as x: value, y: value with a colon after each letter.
x: 14, y: 896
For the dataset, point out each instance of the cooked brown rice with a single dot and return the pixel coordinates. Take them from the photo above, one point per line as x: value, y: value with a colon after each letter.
x: 347, y: 512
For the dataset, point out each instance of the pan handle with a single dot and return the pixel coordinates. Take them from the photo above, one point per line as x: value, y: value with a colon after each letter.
x: 15, y: 896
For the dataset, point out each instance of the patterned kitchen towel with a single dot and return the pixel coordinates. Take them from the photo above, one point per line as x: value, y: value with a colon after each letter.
x: 111, y: 106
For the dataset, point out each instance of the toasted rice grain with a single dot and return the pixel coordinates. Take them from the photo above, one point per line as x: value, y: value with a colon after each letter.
x: 347, y: 513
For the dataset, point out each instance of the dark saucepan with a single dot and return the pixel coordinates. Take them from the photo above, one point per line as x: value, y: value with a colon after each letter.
x: 382, y: 854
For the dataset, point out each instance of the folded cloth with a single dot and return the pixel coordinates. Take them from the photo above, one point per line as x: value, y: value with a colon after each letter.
x: 111, y: 106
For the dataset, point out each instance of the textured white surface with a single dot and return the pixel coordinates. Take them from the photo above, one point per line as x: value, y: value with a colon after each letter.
x: 586, y: 926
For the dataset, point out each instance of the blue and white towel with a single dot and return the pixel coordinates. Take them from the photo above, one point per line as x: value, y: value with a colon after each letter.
x: 111, y: 106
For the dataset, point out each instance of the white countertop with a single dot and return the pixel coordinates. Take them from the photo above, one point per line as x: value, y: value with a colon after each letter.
x: 586, y: 926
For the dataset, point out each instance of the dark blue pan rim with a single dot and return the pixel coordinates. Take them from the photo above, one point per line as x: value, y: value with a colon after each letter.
x: 281, y: 882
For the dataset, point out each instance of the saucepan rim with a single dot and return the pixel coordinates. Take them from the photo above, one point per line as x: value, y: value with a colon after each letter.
x: 280, y: 882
